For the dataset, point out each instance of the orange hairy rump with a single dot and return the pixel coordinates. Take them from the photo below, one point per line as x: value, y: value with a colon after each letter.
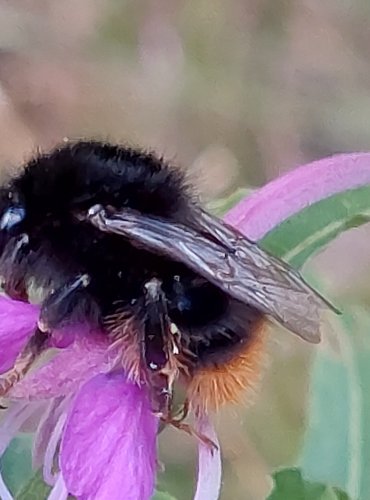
x: 213, y: 386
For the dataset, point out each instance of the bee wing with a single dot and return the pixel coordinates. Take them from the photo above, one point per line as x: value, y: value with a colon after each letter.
x: 227, y: 259
x: 276, y: 285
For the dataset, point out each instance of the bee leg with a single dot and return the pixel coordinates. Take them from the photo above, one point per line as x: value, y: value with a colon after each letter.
x: 53, y: 310
x: 182, y: 413
x: 177, y: 421
x: 189, y: 429
x: 24, y: 361
x: 59, y: 304
x: 13, y: 268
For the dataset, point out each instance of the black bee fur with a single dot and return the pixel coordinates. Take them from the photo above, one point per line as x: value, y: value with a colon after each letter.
x: 43, y: 242
x: 112, y: 234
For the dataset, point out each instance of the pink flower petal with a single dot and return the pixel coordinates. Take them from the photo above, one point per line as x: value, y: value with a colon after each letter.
x: 47, y: 423
x: 31, y: 424
x: 260, y: 212
x: 51, y: 449
x: 59, y: 492
x: 67, y: 335
x: 67, y: 370
x: 209, y: 468
x: 13, y: 420
x: 17, y: 322
x: 109, y: 446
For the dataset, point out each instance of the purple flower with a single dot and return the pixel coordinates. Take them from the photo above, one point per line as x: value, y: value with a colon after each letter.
x: 103, y: 422
x: 95, y: 423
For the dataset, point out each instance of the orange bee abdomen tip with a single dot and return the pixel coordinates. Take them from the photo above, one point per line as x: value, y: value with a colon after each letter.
x: 211, y: 387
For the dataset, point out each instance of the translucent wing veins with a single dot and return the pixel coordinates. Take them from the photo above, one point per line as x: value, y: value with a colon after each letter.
x: 227, y: 259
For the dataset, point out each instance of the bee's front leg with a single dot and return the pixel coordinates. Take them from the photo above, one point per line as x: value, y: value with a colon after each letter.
x: 34, y: 347
x: 54, y: 310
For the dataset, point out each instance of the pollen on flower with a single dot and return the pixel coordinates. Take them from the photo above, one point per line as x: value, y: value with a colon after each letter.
x: 231, y: 382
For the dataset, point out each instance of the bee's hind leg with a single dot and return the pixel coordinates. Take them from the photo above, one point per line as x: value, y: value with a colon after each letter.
x: 189, y: 429
x: 177, y: 421
x: 53, y: 310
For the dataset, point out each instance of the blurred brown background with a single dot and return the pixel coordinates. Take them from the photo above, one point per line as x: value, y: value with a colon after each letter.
x: 236, y: 91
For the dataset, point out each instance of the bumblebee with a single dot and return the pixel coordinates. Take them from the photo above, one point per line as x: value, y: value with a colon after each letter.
x: 114, y: 236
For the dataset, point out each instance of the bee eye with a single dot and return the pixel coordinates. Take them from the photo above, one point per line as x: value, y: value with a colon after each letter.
x: 12, y: 216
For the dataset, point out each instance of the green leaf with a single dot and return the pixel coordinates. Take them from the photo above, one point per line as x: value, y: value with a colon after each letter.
x: 16, y: 463
x: 304, y: 234
x: 221, y: 206
x: 337, y: 445
x: 162, y: 495
x: 290, y: 485
x: 35, y: 489
x: 333, y: 453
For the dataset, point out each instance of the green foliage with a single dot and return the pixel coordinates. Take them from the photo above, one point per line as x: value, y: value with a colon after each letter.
x: 16, y: 463
x: 337, y: 444
x: 290, y: 485
x: 35, y: 489
x: 307, y: 232
x: 161, y: 495
x: 221, y: 206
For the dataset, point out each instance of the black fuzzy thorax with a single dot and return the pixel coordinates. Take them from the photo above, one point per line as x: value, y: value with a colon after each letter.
x: 52, y: 188
x: 85, y: 173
